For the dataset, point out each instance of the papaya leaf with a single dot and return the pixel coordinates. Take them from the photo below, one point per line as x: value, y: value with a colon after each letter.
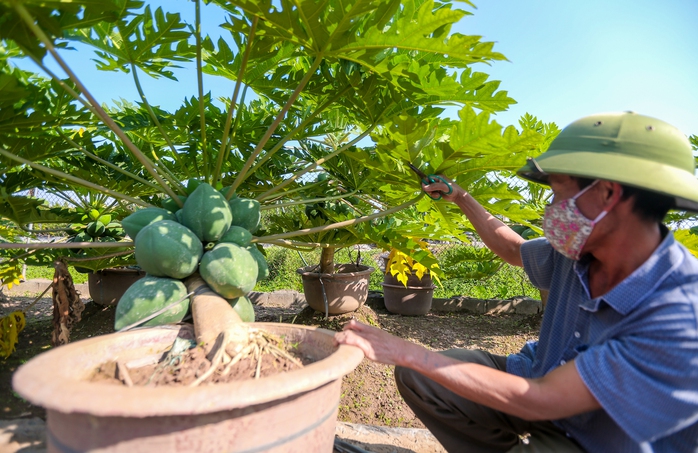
x: 153, y: 42
x: 688, y: 239
x: 23, y: 210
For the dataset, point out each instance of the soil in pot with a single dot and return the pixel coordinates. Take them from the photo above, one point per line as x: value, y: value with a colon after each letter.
x: 192, y: 367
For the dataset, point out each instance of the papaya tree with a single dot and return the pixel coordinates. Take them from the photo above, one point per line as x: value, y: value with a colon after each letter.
x: 354, y: 89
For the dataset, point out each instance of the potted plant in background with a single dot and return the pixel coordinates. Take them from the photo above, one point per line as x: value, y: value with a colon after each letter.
x: 408, y: 288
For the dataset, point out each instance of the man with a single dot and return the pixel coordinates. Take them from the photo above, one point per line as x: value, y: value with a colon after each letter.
x: 615, y: 368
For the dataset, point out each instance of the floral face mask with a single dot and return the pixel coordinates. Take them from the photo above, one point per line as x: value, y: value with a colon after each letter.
x: 566, y: 228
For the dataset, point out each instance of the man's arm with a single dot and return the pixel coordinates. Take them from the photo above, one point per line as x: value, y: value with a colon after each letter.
x: 561, y: 393
x: 498, y: 237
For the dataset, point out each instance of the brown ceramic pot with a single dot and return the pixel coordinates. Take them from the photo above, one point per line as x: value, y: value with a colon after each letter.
x: 293, y: 411
x: 346, y: 289
x: 108, y: 285
x: 414, y: 299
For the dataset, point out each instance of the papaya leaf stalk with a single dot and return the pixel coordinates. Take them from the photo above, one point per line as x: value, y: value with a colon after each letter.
x: 299, y: 128
x: 29, y: 21
x: 314, y: 165
x: 200, y: 84
x: 233, y: 102
x: 153, y: 116
x: 104, y: 162
x: 72, y: 178
x: 272, y: 127
x: 342, y: 224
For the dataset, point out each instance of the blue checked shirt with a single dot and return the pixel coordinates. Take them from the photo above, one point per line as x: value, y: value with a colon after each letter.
x: 635, y: 348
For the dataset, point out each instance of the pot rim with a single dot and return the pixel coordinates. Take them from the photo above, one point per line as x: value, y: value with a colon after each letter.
x: 364, y: 270
x: 44, y: 381
x: 416, y: 288
x: 124, y: 270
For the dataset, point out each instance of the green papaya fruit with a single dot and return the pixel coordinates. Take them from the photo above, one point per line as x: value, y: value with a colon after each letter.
x: 148, y: 295
x: 95, y: 229
x: 224, y: 192
x: 518, y: 229
x: 229, y: 270
x: 192, y: 184
x: 237, y: 235
x: 529, y: 233
x: 135, y: 222
x: 206, y: 213
x: 171, y: 205
x: 168, y: 249
x: 262, y: 266
x: 81, y: 237
x: 246, y: 213
x: 243, y: 307
x: 94, y: 214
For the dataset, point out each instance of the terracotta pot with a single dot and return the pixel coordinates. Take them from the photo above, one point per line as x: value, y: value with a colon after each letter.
x: 346, y: 289
x: 293, y: 411
x: 108, y: 285
x: 411, y: 300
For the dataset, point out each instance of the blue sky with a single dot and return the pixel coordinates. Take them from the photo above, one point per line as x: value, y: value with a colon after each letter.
x: 566, y: 59
x: 572, y: 58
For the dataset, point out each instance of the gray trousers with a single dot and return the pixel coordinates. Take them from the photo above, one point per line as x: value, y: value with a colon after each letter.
x: 463, y: 426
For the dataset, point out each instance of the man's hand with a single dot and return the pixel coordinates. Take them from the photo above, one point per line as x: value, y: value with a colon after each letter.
x: 377, y: 345
x: 439, y: 188
x: 561, y: 393
x: 498, y: 237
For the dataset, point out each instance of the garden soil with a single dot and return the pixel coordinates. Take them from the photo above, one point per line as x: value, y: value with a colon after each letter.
x: 192, y: 366
x: 369, y: 395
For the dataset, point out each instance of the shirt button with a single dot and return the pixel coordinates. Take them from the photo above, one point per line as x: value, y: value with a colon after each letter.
x: 577, y: 335
x: 562, y: 362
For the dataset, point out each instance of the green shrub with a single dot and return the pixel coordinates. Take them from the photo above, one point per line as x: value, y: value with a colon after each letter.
x: 508, y: 281
x: 34, y: 272
x: 282, y: 264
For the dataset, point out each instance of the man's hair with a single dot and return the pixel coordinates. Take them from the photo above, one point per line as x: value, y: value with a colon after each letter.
x: 649, y: 205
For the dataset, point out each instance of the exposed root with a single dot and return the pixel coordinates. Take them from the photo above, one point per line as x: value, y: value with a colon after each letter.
x: 218, y: 357
x: 174, y: 357
x: 239, y: 356
x: 225, y: 339
x: 244, y: 341
x: 124, y: 374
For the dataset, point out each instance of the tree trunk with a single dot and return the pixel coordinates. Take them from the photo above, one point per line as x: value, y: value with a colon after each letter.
x: 212, y: 314
x: 327, y: 260
x: 67, y: 306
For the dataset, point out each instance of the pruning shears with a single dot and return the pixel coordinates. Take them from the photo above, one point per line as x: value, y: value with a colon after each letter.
x: 430, y: 179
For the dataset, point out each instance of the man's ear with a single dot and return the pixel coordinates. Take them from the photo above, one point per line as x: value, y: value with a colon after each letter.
x: 611, y: 193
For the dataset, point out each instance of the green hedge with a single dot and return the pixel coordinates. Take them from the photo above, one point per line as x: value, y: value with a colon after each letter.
x: 508, y: 281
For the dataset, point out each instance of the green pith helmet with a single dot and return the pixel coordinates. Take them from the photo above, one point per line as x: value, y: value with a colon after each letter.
x: 627, y: 148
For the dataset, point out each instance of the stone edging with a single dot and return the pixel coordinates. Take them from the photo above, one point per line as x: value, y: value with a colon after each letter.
x: 36, y: 286
x: 289, y: 298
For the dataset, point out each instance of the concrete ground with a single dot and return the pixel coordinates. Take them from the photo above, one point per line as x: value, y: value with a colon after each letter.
x: 27, y: 435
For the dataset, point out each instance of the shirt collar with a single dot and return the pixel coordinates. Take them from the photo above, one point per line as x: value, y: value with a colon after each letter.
x: 637, y: 286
